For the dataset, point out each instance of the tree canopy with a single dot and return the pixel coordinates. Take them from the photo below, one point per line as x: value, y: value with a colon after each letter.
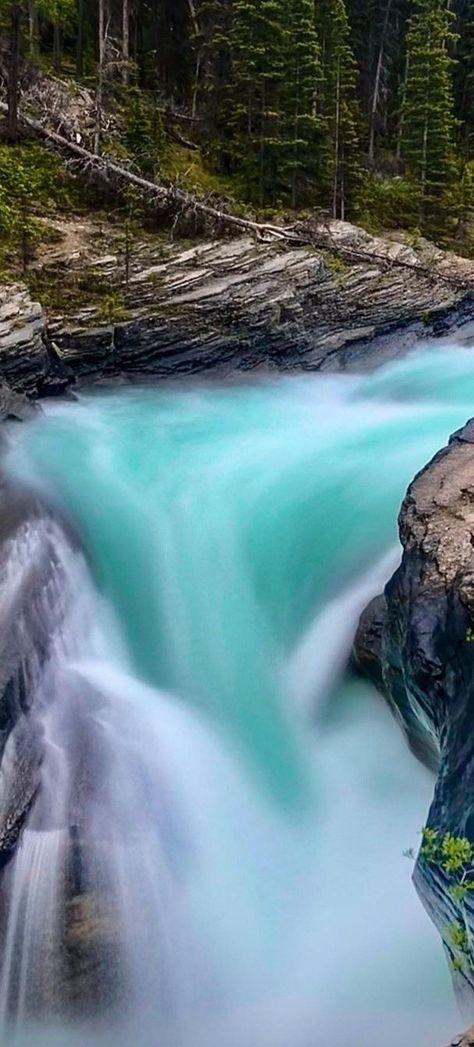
x: 361, y: 108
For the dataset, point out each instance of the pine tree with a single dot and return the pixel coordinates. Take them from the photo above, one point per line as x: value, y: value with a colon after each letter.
x: 15, y: 15
x: 464, y: 78
x: 300, y: 145
x: 428, y: 107
x: 258, y: 39
x: 213, y: 63
x: 337, y: 107
x: 276, y: 73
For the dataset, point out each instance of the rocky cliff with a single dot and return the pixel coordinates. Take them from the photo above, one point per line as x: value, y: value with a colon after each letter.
x: 417, y: 644
x: 349, y: 302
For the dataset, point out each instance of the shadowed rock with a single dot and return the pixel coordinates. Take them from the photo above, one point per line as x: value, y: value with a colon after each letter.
x: 420, y: 653
x: 350, y: 302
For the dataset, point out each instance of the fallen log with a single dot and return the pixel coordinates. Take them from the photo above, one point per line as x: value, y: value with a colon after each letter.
x: 296, y: 235
x: 107, y: 167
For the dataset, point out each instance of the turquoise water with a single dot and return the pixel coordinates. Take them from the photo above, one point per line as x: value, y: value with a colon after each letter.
x: 236, y: 533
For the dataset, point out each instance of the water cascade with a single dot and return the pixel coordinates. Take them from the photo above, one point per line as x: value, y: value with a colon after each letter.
x: 214, y: 855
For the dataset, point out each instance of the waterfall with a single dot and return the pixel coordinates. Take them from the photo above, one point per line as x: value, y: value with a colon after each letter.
x: 212, y: 850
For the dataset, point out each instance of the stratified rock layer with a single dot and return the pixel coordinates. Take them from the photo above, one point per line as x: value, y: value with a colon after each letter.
x: 352, y: 302
x: 417, y: 645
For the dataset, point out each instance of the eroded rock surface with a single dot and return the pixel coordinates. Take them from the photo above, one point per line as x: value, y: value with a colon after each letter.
x: 420, y: 651
x: 25, y: 362
x: 29, y: 575
x: 351, y: 302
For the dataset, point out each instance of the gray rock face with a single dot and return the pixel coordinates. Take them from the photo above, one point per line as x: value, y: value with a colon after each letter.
x: 29, y: 573
x: 241, y: 304
x: 420, y: 652
x: 24, y: 358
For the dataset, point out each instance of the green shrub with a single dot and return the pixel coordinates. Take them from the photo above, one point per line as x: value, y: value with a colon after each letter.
x: 389, y: 202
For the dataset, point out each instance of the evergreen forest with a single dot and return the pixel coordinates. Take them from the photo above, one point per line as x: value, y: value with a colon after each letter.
x: 362, y: 110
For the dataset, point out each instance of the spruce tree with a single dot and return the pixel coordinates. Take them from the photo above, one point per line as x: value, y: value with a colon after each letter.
x: 337, y: 107
x: 464, y: 78
x: 276, y: 74
x: 301, y: 140
x: 14, y: 15
x: 428, y: 107
x: 258, y: 40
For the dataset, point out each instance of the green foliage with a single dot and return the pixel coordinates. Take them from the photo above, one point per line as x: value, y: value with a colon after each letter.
x: 388, y: 202
x: 458, y: 938
x: 428, y: 108
x: 456, y: 853
x: 458, y: 891
x: 430, y: 844
x: 143, y: 137
x: 335, y: 263
x: 274, y: 76
x: 63, y: 290
x: 337, y: 106
x: 59, y: 12
x: 454, y: 856
x: 363, y: 108
x: 32, y: 181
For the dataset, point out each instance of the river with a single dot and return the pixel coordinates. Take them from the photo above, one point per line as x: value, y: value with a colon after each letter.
x: 239, y: 804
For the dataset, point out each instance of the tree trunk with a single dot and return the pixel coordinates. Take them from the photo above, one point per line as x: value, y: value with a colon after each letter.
x: 342, y: 194
x: 402, y: 111
x: 425, y: 142
x: 32, y: 29
x: 13, y: 89
x: 336, y: 141
x: 125, y: 39
x: 294, y: 179
x: 57, y: 47
x: 377, y: 82
x: 262, y: 148
x: 113, y: 174
x: 197, y: 71
x: 100, y: 77
x: 80, y: 39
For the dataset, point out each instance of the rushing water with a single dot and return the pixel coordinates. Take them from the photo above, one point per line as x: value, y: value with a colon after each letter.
x: 237, y: 808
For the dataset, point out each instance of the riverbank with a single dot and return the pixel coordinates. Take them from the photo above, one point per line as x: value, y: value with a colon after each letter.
x: 351, y: 303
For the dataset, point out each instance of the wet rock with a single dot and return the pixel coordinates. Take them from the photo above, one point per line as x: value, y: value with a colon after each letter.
x: 28, y: 569
x: 15, y: 406
x: 423, y: 653
x: 464, y: 1039
x: 91, y: 977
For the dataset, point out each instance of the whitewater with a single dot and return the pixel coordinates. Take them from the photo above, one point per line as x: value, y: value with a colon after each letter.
x: 237, y: 802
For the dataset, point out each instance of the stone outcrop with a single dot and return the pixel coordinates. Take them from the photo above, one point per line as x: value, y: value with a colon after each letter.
x: 417, y: 645
x: 350, y: 302
x: 30, y: 619
x: 24, y: 358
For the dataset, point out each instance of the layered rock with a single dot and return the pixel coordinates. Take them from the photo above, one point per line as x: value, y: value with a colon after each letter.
x: 417, y: 644
x: 25, y: 361
x: 30, y: 619
x: 350, y: 302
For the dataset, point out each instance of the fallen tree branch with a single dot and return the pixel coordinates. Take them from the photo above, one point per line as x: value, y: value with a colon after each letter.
x: 180, y: 139
x: 296, y: 235
x: 105, y: 167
